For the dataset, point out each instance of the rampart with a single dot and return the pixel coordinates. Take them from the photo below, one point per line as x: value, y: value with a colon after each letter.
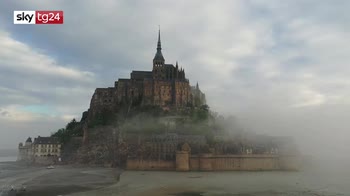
x: 209, y: 162
x: 140, y: 164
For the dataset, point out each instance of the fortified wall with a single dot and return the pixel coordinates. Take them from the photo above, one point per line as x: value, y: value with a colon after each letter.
x: 210, y: 162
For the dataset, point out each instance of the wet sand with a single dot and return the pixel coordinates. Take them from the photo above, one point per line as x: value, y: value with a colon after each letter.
x: 218, y: 184
x: 312, y: 182
x: 59, y: 181
x: 90, y: 181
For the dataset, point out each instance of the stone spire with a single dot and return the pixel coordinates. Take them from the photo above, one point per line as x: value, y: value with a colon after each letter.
x: 159, y: 44
x: 158, y: 58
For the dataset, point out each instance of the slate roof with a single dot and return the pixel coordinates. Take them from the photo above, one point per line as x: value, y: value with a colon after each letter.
x: 159, y: 55
x: 46, y: 140
x: 140, y: 75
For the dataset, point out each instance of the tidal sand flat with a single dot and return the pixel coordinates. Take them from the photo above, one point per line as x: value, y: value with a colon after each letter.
x: 91, y: 181
x: 310, y: 182
x: 50, y: 182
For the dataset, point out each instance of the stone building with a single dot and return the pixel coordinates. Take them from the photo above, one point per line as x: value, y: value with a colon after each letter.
x: 25, y: 151
x: 46, y: 146
x: 198, y: 96
x: 165, y: 86
x: 41, y: 150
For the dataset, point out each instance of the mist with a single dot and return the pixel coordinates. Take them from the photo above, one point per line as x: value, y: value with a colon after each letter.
x: 321, y: 132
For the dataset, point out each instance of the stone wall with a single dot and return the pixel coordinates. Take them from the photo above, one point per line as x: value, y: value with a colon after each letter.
x: 209, y: 162
x: 290, y: 163
x: 245, y: 162
x: 139, y: 164
x: 45, y: 160
x: 261, y: 162
x: 182, y: 161
x: 194, y: 163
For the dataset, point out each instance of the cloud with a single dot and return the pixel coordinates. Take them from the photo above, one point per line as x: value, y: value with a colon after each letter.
x: 4, y: 112
x: 29, y: 78
x: 310, y: 98
x: 14, y: 114
x: 19, y: 57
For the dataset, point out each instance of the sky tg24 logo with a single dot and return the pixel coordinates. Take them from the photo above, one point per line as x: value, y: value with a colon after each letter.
x: 38, y: 17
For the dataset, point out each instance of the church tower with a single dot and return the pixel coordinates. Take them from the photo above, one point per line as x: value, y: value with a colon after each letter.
x: 158, y: 61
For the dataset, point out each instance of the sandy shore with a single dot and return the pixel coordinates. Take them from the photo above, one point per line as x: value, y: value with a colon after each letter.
x: 90, y: 181
x: 136, y: 183
x: 59, y: 181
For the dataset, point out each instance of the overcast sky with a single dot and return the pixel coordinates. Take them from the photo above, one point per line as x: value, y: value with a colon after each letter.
x: 281, y: 67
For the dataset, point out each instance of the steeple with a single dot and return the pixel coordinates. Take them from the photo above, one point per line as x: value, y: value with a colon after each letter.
x: 159, y: 44
x: 158, y: 58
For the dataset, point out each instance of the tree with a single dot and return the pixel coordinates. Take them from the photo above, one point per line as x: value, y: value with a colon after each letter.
x: 73, y: 129
x: 72, y: 124
x: 200, y: 114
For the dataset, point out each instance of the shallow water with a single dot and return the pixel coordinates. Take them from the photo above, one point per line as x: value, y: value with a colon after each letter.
x: 7, y: 158
x: 233, y: 183
x: 331, y: 179
x: 315, y: 180
x: 38, y: 180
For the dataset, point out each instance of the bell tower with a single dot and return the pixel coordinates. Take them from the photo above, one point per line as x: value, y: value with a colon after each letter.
x: 158, y: 61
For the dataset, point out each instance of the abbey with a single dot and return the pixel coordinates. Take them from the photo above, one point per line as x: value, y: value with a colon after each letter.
x: 165, y: 86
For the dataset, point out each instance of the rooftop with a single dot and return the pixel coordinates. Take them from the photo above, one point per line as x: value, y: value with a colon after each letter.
x: 46, y: 140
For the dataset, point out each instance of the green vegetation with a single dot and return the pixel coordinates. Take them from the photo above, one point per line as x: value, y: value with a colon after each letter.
x: 145, y: 127
x: 72, y: 129
x: 103, y: 118
x: 200, y: 114
x: 148, y: 120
